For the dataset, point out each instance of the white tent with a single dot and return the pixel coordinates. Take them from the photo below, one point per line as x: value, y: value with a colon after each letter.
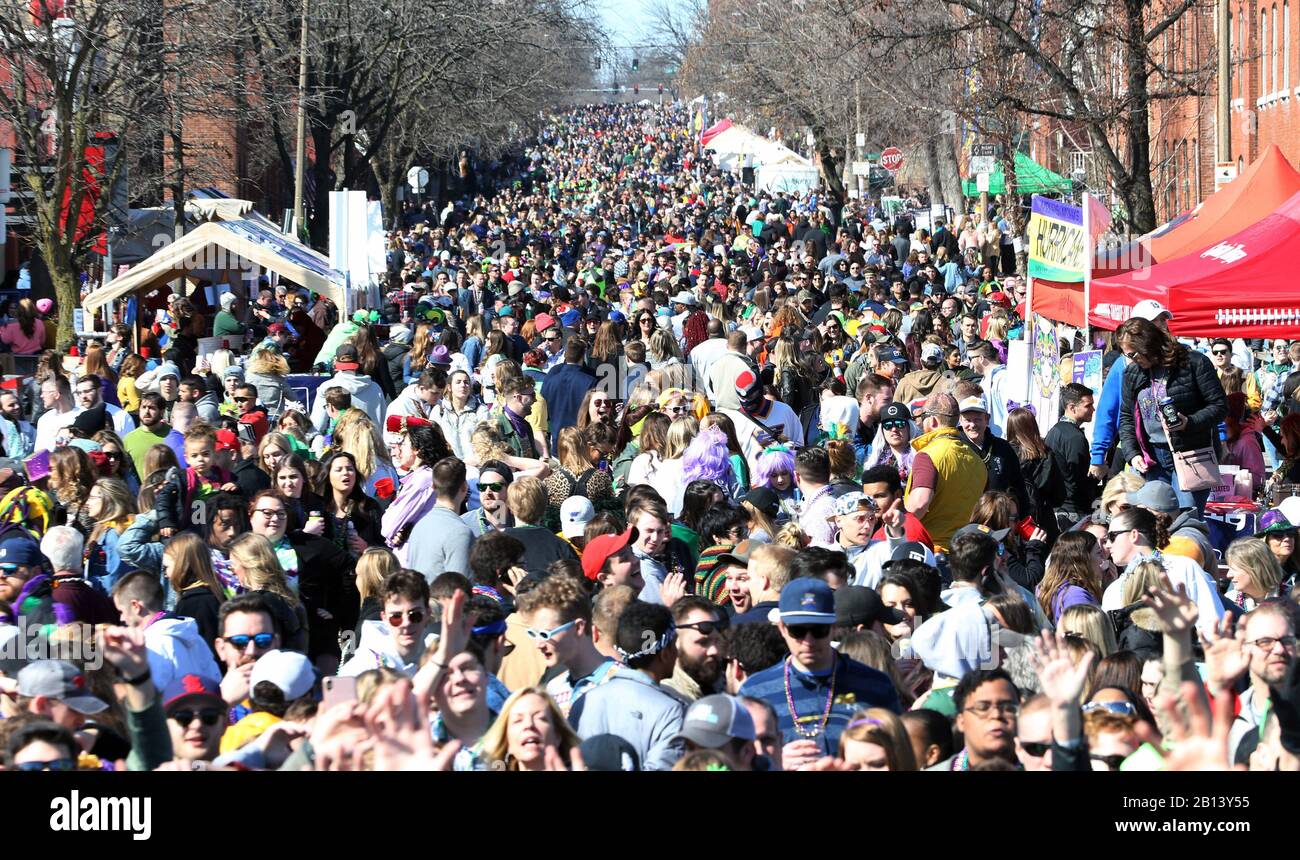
x: 790, y: 177
x: 238, y: 247
x: 739, y: 145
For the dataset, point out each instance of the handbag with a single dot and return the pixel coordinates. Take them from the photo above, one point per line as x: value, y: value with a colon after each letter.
x: 1196, y: 469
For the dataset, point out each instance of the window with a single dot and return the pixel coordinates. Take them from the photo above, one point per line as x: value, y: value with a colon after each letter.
x: 1263, y: 53
x: 1273, y: 59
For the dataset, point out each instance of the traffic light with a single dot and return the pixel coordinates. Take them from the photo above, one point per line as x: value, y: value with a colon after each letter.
x: 636, y: 64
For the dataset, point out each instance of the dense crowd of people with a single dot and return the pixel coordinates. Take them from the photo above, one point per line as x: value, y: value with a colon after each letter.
x: 635, y: 468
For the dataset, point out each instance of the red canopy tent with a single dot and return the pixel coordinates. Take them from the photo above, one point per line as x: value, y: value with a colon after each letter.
x: 1261, y: 189
x: 1243, y: 285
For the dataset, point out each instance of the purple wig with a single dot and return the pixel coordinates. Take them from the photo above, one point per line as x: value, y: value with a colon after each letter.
x: 772, y: 462
x: 707, y: 459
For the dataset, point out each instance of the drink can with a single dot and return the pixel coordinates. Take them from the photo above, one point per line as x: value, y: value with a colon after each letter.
x: 1168, y: 410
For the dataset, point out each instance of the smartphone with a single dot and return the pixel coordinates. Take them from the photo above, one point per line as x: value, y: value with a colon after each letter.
x: 1026, y: 527
x: 337, y: 690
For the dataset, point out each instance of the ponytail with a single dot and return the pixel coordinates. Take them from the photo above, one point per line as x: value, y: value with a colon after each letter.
x: 1160, y: 530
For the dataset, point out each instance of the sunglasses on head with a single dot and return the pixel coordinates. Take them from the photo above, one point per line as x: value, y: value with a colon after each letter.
x: 415, y: 616
x: 1123, y: 709
x: 207, y: 716
x: 801, y: 631
x: 261, y: 640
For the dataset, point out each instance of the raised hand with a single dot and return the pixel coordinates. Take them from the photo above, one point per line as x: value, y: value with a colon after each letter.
x: 1175, y: 611
x: 1062, y: 681
x: 123, y: 647
x: 895, y: 519
x: 399, y: 726
x: 1226, y: 659
x: 673, y: 589
x: 1199, y: 742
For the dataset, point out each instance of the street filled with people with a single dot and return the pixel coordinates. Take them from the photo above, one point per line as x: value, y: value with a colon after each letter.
x: 634, y: 467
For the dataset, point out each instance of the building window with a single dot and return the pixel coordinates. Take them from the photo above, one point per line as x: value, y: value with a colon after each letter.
x: 1275, y: 79
x: 1263, y: 53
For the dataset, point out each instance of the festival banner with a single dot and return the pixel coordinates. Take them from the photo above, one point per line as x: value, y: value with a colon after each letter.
x: 1057, y: 242
x: 1045, y: 372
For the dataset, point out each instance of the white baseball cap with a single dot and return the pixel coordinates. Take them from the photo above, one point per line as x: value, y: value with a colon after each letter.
x: 1150, y: 309
x: 291, y: 671
x: 973, y: 404
x: 575, y: 513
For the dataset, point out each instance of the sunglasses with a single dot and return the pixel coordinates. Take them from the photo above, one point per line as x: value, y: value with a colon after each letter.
x: 1123, y: 709
x: 548, y: 635
x: 1111, y: 537
x: 415, y: 616
x: 893, y: 425
x: 491, y: 488
x: 208, y: 716
x: 1219, y: 352
x: 801, y: 631
x: 261, y: 640
x: 705, y: 628
x: 1112, y: 762
x: 551, y: 339
x: 1035, y: 750
x: 52, y: 764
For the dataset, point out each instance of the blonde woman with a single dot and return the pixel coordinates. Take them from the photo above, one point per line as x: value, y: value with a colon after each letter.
x: 255, y: 565
x: 187, y: 566
x: 663, y: 350
x: 127, y: 393
x: 667, y: 480
x: 374, y: 566
x: 1255, y: 573
x: 273, y: 448
x: 577, y: 474
x: 269, y: 371
x: 1091, y: 624
x: 529, y: 733
x: 358, y: 435
x: 111, y: 504
x: 1114, y: 497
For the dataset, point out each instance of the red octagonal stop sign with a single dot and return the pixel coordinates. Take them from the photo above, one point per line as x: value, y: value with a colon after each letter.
x: 891, y: 158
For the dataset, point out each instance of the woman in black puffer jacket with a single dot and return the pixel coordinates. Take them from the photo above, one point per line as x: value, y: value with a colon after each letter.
x: 1161, y: 367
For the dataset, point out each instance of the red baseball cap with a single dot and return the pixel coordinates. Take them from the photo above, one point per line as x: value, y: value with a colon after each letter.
x: 227, y: 440
x: 596, y: 553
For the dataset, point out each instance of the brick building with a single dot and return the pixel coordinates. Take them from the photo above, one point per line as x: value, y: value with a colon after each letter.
x: 1264, y: 89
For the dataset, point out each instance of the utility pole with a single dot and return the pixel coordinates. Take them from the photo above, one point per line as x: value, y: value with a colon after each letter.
x: 1224, y: 118
x: 300, y: 168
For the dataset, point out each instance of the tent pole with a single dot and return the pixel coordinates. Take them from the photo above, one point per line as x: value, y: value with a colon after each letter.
x: 1090, y: 248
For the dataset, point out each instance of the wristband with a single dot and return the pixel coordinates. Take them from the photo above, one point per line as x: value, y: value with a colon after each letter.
x: 135, y: 682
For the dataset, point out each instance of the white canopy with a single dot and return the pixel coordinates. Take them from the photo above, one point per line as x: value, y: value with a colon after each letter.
x: 739, y: 143
x: 235, y: 247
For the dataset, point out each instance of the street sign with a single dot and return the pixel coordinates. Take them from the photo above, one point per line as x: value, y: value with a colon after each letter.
x: 891, y: 158
x: 983, y: 163
x: 417, y: 178
x: 982, y: 183
x: 984, y: 149
x: 862, y: 168
x: 861, y: 140
x: 1224, y: 172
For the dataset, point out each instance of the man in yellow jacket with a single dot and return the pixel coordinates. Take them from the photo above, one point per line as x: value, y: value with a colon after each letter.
x: 947, y: 476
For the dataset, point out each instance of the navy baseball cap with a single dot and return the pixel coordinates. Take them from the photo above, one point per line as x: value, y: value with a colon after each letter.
x: 895, y: 412
x: 21, y: 551
x: 807, y: 601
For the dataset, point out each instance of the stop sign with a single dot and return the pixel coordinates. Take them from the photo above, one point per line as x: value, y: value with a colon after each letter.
x: 891, y: 158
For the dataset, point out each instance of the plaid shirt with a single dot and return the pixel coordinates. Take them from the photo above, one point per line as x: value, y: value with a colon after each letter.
x: 405, y: 300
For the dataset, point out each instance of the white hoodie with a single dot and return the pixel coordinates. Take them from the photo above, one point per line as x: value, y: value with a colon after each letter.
x: 177, y: 649
x: 378, y: 648
x: 1182, y: 571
